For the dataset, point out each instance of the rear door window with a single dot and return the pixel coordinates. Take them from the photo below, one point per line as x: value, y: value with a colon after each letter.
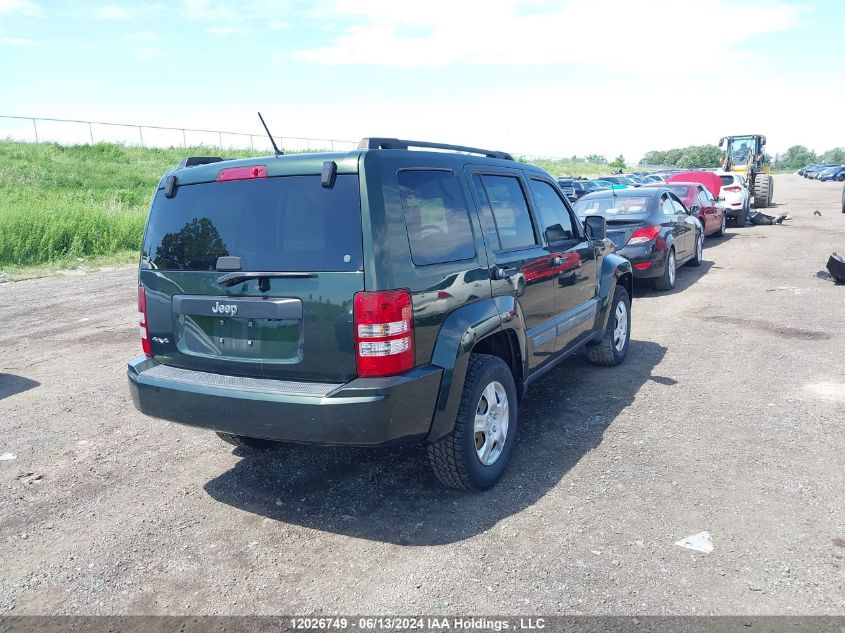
x: 510, y: 210
x: 288, y: 223
x: 436, y: 217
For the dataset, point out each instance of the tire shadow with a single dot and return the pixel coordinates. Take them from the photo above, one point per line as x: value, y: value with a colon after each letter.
x: 686, y: 276
x: 390, y: 495
x: 11, y: 385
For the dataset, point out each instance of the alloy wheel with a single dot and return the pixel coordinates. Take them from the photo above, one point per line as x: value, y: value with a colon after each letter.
x: 672, y: 268
x: 491, y: 423
x: 620, y: 332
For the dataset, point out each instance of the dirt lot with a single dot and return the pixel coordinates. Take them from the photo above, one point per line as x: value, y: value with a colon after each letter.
x: 727, y: 417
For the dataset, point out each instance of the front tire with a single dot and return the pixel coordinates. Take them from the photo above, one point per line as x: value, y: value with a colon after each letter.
x: 763, y: 190
x: 613, y: 347
x: 475, y: 454
x: 667, y: 280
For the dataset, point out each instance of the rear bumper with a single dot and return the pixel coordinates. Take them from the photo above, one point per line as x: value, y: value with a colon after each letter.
x: 647, y: 261
x: 363, y: 412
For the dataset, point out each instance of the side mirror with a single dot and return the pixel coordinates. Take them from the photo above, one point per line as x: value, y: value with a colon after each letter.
x: 720, y: 199
x: 721, y: 141
x: 694, y: 209
x: 596, y: 227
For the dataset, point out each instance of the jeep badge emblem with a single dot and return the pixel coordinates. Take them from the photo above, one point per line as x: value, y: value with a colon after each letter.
x: 225, y: 308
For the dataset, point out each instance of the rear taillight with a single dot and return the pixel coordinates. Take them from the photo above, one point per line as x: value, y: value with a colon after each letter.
x: 384, y: 332
x: 242, y: 173
x: 142, y: 321
x: 442, y: 294
x: 645, y: 234
x: 733, y: 188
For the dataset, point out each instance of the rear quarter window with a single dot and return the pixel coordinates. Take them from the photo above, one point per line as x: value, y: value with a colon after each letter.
x: 436, y: 217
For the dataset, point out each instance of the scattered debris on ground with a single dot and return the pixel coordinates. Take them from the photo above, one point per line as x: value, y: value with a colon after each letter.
x: 28, y: 477
x: 699, y: 542
x: 836, y: 267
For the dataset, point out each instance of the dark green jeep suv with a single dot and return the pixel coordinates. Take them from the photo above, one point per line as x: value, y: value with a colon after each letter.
x: 377, y: 297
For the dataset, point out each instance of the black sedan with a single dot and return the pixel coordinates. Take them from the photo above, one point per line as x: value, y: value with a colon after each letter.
x: 651, y: 227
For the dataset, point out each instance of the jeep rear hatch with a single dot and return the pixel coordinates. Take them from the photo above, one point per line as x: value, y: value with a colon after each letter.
x: 255, y: 276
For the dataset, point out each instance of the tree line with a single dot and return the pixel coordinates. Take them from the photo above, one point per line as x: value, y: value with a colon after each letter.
x: 685, y: 157
x: 710, y: 156
x: 798, y: 155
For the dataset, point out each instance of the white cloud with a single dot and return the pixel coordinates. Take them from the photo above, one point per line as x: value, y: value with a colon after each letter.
x: 17, y: 41
x: 22, y: 7
x: 502, y: 32
x: 114, y: 12
x: 145, y: 36
x: 147, y: 53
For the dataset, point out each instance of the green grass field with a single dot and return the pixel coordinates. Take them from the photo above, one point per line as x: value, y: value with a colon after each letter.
x: 565, y: 167
x: 62, y: 204
x: 66, y: 206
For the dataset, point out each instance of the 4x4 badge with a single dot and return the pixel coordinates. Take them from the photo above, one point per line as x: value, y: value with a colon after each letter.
x: 225, y: 308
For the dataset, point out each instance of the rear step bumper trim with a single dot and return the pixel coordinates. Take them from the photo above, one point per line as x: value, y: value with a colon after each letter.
x: 363, y: 412
x: 241, y: 383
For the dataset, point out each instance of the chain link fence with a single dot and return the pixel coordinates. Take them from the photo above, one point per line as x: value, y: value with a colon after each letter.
x: 73, y: 131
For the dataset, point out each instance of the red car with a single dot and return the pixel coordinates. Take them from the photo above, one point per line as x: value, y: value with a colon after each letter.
x: 698, y: 197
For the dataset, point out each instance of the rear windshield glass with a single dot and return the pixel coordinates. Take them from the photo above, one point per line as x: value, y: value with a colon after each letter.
x: 682, y: 191
x: 612, y: 207
x: 289, y: 223
x: 727, y: 180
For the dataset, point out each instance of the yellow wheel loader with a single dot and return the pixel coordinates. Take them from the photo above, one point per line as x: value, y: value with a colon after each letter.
x: 744, y: 155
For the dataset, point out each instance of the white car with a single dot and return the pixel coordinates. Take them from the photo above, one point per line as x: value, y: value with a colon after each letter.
x: 455, y: 289
x: 736, y: 196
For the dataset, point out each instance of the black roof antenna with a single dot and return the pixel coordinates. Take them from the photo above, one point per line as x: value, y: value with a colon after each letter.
x: 275, y: 147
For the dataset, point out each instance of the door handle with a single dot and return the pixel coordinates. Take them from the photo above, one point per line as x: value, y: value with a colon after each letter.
x: 504, y: 273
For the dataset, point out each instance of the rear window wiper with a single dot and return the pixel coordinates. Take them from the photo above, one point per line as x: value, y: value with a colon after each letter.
x: 231, y: 279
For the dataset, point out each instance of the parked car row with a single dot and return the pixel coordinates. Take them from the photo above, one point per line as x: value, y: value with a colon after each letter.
x: 733, y: 194
x: 823, y: 172
x: 575, y: 188
x: 660, y: 226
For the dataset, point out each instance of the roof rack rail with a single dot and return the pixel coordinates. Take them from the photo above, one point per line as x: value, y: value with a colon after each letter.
x: 396, y: 143
x: 193, y: 161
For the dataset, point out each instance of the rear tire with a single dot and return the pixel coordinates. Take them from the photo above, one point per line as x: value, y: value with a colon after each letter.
x: 457, y: 458
x: 613, y: 347
x: 667, y: 280
x: 699, y: 251
x: 721, y: 231
x: 742, y: 217
x: 241, y: 441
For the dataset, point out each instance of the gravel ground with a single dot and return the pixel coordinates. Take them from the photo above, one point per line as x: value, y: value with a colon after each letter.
x: 726, y: 417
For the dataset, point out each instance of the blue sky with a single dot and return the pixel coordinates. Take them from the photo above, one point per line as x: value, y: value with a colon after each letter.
x: 530, y: 76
